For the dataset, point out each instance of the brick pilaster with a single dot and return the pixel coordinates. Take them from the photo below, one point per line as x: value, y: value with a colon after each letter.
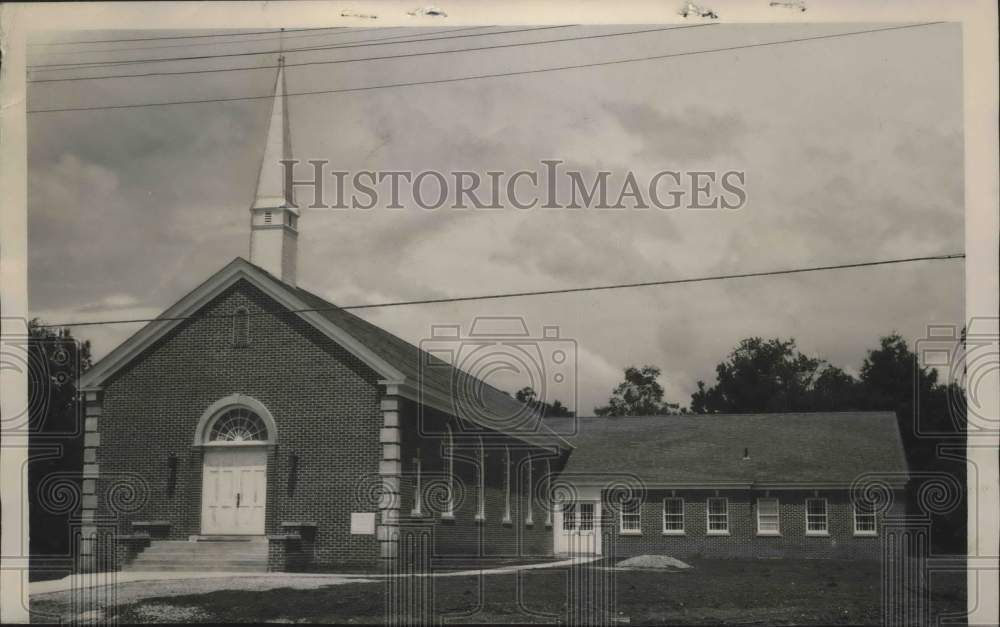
x: 390, y: 470
x: 92, y: 400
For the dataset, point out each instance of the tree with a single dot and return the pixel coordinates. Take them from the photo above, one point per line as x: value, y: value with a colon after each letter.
x: 929, y: 415
x: 761, y: 376
x: 555, y: 409
x: 56, y: 362
x: 771, y: 376
x: 640, y: 394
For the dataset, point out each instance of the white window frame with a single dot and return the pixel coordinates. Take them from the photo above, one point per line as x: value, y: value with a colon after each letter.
x: 449, y: 512
x: 506, y: 487
x: 630, y: 531
x: 569, y: 516
x: 708, y: 516
x: 673, y: 532
x: 865, y: 532
x: 777, y: 517
x: 825, y: 531
x: 529, y: 519
x: 417, y: 493
x: 481, y: 471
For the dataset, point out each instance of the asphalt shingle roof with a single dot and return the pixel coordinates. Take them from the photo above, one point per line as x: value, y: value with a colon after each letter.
x: 486, y: 405
x: 820, y: 447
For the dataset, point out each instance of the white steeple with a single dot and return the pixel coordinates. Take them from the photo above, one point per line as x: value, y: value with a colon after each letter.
x: 274, y: 218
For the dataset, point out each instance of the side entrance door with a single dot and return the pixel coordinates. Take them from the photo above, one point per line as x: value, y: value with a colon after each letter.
x: 577, y: 528
x: 234, y: 490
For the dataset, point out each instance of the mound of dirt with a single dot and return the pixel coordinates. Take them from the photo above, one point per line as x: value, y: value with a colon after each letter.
x: 658, y: 562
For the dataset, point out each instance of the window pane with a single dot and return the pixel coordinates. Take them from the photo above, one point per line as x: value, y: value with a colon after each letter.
x: 673, y: 514
x: 569, y: 517
x: 767, y: 516
x: 586, y: 516
x: 864, y: 518
x: 816, y: 515
x: 718, y: 517
x: 630, y: 518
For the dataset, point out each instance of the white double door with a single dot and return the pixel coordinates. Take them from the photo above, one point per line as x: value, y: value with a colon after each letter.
x: 234, y: 490
x: 577, y: 528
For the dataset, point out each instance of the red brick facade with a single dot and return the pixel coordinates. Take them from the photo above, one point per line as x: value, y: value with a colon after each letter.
x: 325, y: 403
x: 325, y: 465
x: 743, y: 539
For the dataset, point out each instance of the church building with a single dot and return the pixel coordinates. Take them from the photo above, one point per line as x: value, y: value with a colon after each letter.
x: 255, y: 425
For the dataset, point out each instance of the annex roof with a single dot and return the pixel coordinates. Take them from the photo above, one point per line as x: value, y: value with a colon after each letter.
x: 781, y: 448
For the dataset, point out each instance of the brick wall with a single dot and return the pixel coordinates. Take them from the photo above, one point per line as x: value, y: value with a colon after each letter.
x: 324, y: 400
x: 743, y: 540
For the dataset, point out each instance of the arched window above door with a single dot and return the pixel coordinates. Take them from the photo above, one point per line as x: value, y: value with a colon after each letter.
x: 236, y: 420
x: 238, y: 424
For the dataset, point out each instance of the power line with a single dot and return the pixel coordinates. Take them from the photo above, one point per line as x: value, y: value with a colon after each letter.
x: 259, y: 32
x: 352, y: 31
x: 380, y: 58
x: 569, y: 290
x: 485, y: 76
x: 60, y: 66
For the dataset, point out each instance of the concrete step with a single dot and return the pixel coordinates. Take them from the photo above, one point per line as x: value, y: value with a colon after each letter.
x: 197, y: 550
x: 194, y: 557
x: 177, y: 567
x: 229, y: 555
x: 193, y: 566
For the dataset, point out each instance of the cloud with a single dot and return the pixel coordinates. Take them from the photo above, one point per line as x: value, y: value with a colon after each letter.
x: 691, y: 134
x: 851, y: 153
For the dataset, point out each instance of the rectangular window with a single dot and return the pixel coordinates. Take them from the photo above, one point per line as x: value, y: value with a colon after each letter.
x: 586, y: 516
x: 864, y: 520
x: 768, y: 517
x: 718, y: 516
x: 673, y: 516
x: 631, y: 521
x: 816, y: 523
x: 569, y: 517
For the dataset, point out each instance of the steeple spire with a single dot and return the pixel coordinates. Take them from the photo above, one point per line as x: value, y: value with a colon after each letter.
x: 273, y: 216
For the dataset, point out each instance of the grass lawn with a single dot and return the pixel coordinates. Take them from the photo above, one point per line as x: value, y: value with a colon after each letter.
x: 818, y: 592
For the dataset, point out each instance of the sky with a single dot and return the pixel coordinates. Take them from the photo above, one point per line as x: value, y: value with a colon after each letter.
x: 852, y: 150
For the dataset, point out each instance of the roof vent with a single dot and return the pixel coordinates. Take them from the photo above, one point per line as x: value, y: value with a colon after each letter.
x: 746, y: 453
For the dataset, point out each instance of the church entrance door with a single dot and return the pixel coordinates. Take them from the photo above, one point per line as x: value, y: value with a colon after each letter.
x: 234, y: 490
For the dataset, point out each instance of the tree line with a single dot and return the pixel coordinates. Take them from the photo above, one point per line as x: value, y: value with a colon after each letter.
x: 772, y: 375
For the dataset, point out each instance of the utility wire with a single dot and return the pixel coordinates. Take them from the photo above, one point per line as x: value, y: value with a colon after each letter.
x: 380, y: 58
x: 569, y: 290
x: 305, y: 49
x: 484, y: 76
x: 215, y: 43
x: 244, y: 33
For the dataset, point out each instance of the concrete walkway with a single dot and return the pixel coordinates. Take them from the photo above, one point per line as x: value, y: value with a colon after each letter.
x: 266, y: 581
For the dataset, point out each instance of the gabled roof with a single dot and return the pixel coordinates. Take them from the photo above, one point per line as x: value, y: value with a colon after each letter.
x: 705, y: 449
x: 398, y: 362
